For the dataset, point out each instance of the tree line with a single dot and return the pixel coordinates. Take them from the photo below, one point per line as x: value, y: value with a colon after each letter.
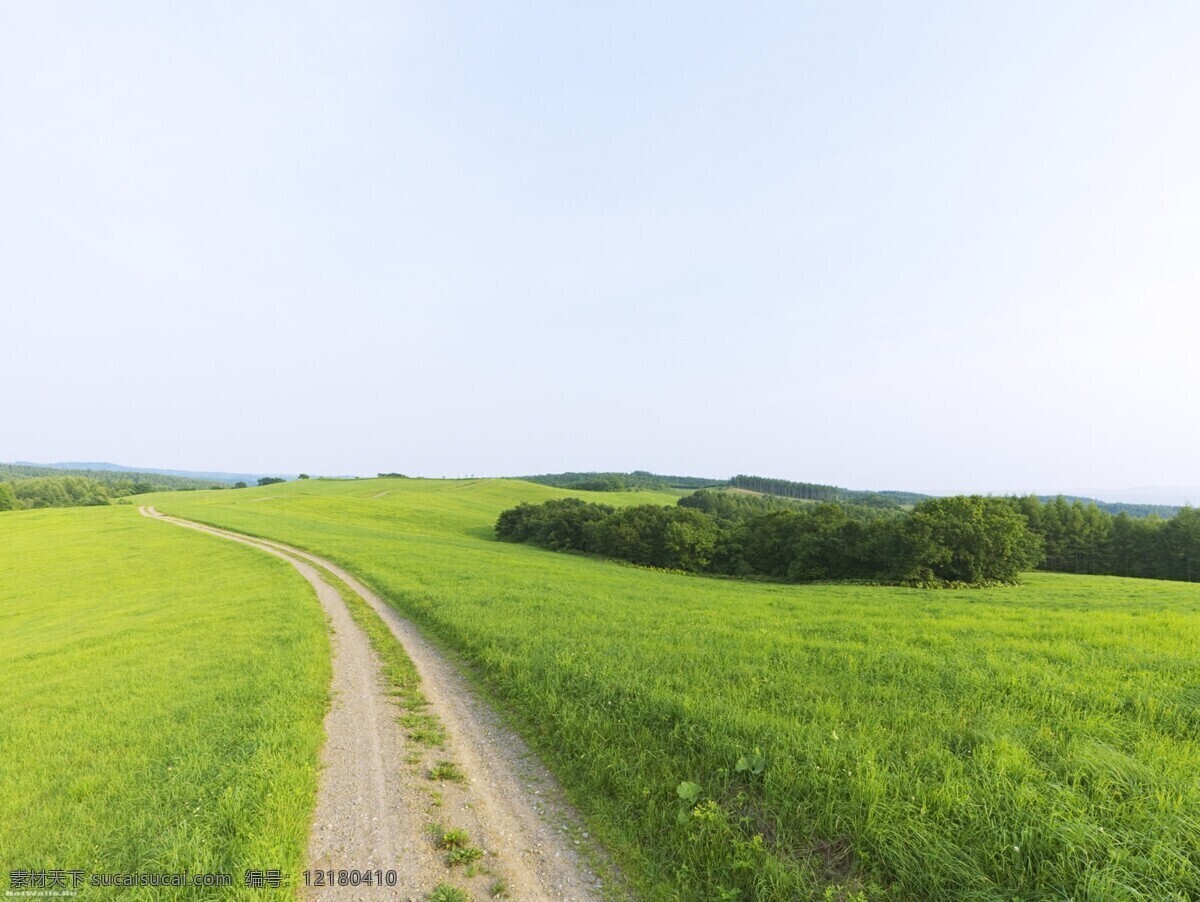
x: 972, y: 540
x: 965, y: 540
x: 1134, y: 509
x: 1083, y: 538
x: 24, y: 486
x: 31, y: 486
x: 57, y: 491
x: 638, y: 480
x: 118, y: 481
x: 812, y: 491
x: 796, y: 491
x: 74, y: 491
x: 785, y: 488
x: 642, y: 480
x: 78, y: 491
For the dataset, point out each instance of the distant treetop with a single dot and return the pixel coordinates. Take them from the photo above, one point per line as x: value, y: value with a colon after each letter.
x: 621, y: 482
x: 1165, y: 511
x: 811, y: 491
x: 32, y: 486
x: 123, y: 482
x: 783, y: 488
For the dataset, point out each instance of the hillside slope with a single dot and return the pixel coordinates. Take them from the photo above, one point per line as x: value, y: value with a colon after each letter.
x: 782, y: 741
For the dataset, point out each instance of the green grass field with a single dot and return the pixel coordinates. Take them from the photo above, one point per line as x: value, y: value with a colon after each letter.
x: 161, y: 702
x: 1032, y: 742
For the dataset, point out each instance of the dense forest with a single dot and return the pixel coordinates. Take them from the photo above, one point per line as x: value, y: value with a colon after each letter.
x: 638, y: 480
x: 641, y: 480
x: 960, y: 540
x: 784, y: 488
x: 1119, y: 507
x: 120, y: 480
x: 1083, y: 538
x: 26, y: 486
x: 943, y: 541
x: 738, y: 506
x: 798, y: 491
x: 812, y: 491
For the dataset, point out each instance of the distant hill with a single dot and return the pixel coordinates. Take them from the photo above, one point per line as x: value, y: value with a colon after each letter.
x: 783, y: 488
x: 812, y: 491
x: 1134, y: 509
x: 815, y: 492
x: 800, y: 491
x: 140, y: 480
x: 622, y: 482
x: 1170, y: 496
x: 102, y: 466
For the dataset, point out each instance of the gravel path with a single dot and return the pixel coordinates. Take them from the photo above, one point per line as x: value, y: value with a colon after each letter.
x: 375, y: 802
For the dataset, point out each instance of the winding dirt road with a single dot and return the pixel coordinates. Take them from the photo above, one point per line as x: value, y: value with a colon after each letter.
x: 375, y: 803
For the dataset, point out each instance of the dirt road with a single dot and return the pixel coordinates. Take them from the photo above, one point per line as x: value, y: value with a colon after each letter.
x: 376, y: 806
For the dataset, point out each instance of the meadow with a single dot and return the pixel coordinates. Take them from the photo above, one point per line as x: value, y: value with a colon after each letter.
x: 162, y: 695
x: 731, y: 739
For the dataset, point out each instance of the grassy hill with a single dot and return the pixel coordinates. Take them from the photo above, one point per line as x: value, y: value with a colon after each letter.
x: 792, y: 742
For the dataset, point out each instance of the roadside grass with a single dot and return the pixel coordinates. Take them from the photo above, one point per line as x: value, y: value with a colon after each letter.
x: 399, y: 673
x: 464, y: 855
x: 455, y: 838
x: 421, y: 727
x: 162, y: 695
x: 445, y: 892
x: 446, y: 770
x: 1029, y: 742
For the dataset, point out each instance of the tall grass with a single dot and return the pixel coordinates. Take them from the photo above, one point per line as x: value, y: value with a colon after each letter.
x: 1031, y: 742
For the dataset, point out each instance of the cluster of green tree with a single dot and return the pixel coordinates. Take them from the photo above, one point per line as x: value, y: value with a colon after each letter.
x: 57, y: 491
x: 736, y: 506
x: 28, y: 486
x: 943, y: 541
x: 1083, y: 538
x: 119, y: 482
x: 1119, y: 507
x: 798, y: 491
x: 638, y: 480
x: 811, y: 491
x: 392, y: 476
x: 272, y: 480
x: 784, y: 488
x: 73, y: 491
x: 901, y: 499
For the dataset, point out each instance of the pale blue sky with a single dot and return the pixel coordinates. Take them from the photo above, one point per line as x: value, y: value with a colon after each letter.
x: 942, y: 247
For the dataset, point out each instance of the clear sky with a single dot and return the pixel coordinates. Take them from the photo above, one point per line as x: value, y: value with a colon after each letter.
x: 941, y: 247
